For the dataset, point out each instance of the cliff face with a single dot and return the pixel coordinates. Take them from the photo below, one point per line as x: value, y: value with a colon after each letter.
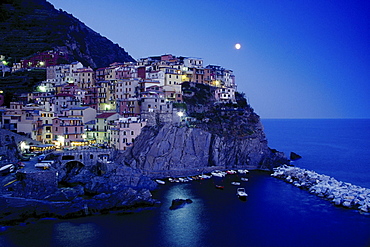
x: 178, y: 151
x: 30, y: 26
x: 222, y: 136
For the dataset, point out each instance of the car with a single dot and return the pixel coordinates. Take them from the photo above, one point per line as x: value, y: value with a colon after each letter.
x: 41, y: 157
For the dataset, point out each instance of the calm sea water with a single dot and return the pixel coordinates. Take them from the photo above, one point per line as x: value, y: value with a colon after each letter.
x: 275, y: 213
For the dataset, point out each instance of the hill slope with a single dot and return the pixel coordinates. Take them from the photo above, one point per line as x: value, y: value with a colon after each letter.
x: 30, y: 26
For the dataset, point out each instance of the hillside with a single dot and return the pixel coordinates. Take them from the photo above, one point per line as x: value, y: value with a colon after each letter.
x: 30, y: 26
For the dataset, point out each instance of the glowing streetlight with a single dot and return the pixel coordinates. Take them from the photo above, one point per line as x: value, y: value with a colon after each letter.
x: 42, y: 89
x: 61, y: 139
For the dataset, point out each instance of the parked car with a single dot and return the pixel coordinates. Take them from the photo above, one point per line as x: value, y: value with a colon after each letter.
x: 41, y: 157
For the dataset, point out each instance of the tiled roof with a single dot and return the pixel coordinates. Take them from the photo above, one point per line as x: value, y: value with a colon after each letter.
x: 106, y: 115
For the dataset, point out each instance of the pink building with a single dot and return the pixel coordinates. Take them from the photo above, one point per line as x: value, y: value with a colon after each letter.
x: 68, y: 131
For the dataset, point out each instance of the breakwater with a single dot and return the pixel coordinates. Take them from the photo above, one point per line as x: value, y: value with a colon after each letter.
x: 338, y: 192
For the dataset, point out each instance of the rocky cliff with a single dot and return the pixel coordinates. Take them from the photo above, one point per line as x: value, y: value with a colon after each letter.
x: 30, y: 26
x: 214, y: 136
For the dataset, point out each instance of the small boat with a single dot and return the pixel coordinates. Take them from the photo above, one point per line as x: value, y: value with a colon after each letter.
x: 235, y: 183
x: 244, y: 179
x: 218, y: 173
x: 240, y: 192
x: 160, y: 181
x: 221, y: 187
x: 243, y: 171
x: 183, y: 180
x: 230, y: 172
x: 205, y: 176
x: 7, y: 169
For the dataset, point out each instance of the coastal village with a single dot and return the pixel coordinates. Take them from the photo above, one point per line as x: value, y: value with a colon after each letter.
x: 78, y: 106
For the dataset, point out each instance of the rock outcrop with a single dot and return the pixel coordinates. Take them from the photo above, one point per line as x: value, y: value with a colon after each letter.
x: 179, y: 151
x: 214, y: 136
x: 62, y: 192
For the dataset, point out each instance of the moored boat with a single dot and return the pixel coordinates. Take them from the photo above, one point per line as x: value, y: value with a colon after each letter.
x: 7, y: 169
x: 240, y: 192
x: 231, y: 172
x: 217, y: 173
x: 205, y: 176
x: 160, y: 181
x: 221, y: 187
x: 243, y: 171
x: 235, y: 183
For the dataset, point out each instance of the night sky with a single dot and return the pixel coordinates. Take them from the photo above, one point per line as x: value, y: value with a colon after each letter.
x: 299, y: 58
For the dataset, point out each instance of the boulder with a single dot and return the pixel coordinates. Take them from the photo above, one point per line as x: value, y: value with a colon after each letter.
x: 293, y: 156
x: 178, y: 203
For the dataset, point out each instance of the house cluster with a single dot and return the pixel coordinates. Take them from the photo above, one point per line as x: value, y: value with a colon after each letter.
x: 79, y: 106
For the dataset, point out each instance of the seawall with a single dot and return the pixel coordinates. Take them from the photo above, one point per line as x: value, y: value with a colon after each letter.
x: 338, y: 192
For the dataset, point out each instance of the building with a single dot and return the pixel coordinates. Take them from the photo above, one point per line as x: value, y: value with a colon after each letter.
x: 225, y: 95
x: 102, y: 126
x: 124, y: 132
x: 68, y: 131
x: 45, y: 59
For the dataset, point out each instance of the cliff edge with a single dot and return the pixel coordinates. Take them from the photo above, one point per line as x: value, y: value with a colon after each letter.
x: 213, y: 136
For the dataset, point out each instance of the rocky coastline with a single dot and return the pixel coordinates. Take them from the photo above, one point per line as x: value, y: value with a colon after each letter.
x: 212, y: 137
x: 57, y: 192
x: 339, y: 193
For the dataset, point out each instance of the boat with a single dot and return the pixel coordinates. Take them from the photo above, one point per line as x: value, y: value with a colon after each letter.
x: 217, y: 173
x: 221, y: 187
x: 7, y: 169
x: 240, y: 192
x: 235, y: 183
x: 205, y: 176
x: 243, y: 171
x: 244, y: 179
x: 160, y: 181
x: 230, y: 172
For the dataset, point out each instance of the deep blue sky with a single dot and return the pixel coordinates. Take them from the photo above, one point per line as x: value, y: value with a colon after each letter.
x: 299, y: 58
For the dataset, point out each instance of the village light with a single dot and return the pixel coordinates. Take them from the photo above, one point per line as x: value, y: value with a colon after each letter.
x: 42, y: 89
x: 23, y: 146
x: 61, y: 139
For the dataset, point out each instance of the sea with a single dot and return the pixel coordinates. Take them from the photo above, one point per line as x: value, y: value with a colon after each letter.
x: 275, y: 213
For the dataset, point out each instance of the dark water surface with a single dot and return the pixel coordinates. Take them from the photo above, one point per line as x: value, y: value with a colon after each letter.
x: 275, y: 213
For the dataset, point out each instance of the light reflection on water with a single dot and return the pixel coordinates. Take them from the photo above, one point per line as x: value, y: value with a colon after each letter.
x: 186, y: 220
x: 70, y: 234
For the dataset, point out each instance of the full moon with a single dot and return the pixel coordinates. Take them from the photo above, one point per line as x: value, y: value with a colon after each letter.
x: 238, y: 46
